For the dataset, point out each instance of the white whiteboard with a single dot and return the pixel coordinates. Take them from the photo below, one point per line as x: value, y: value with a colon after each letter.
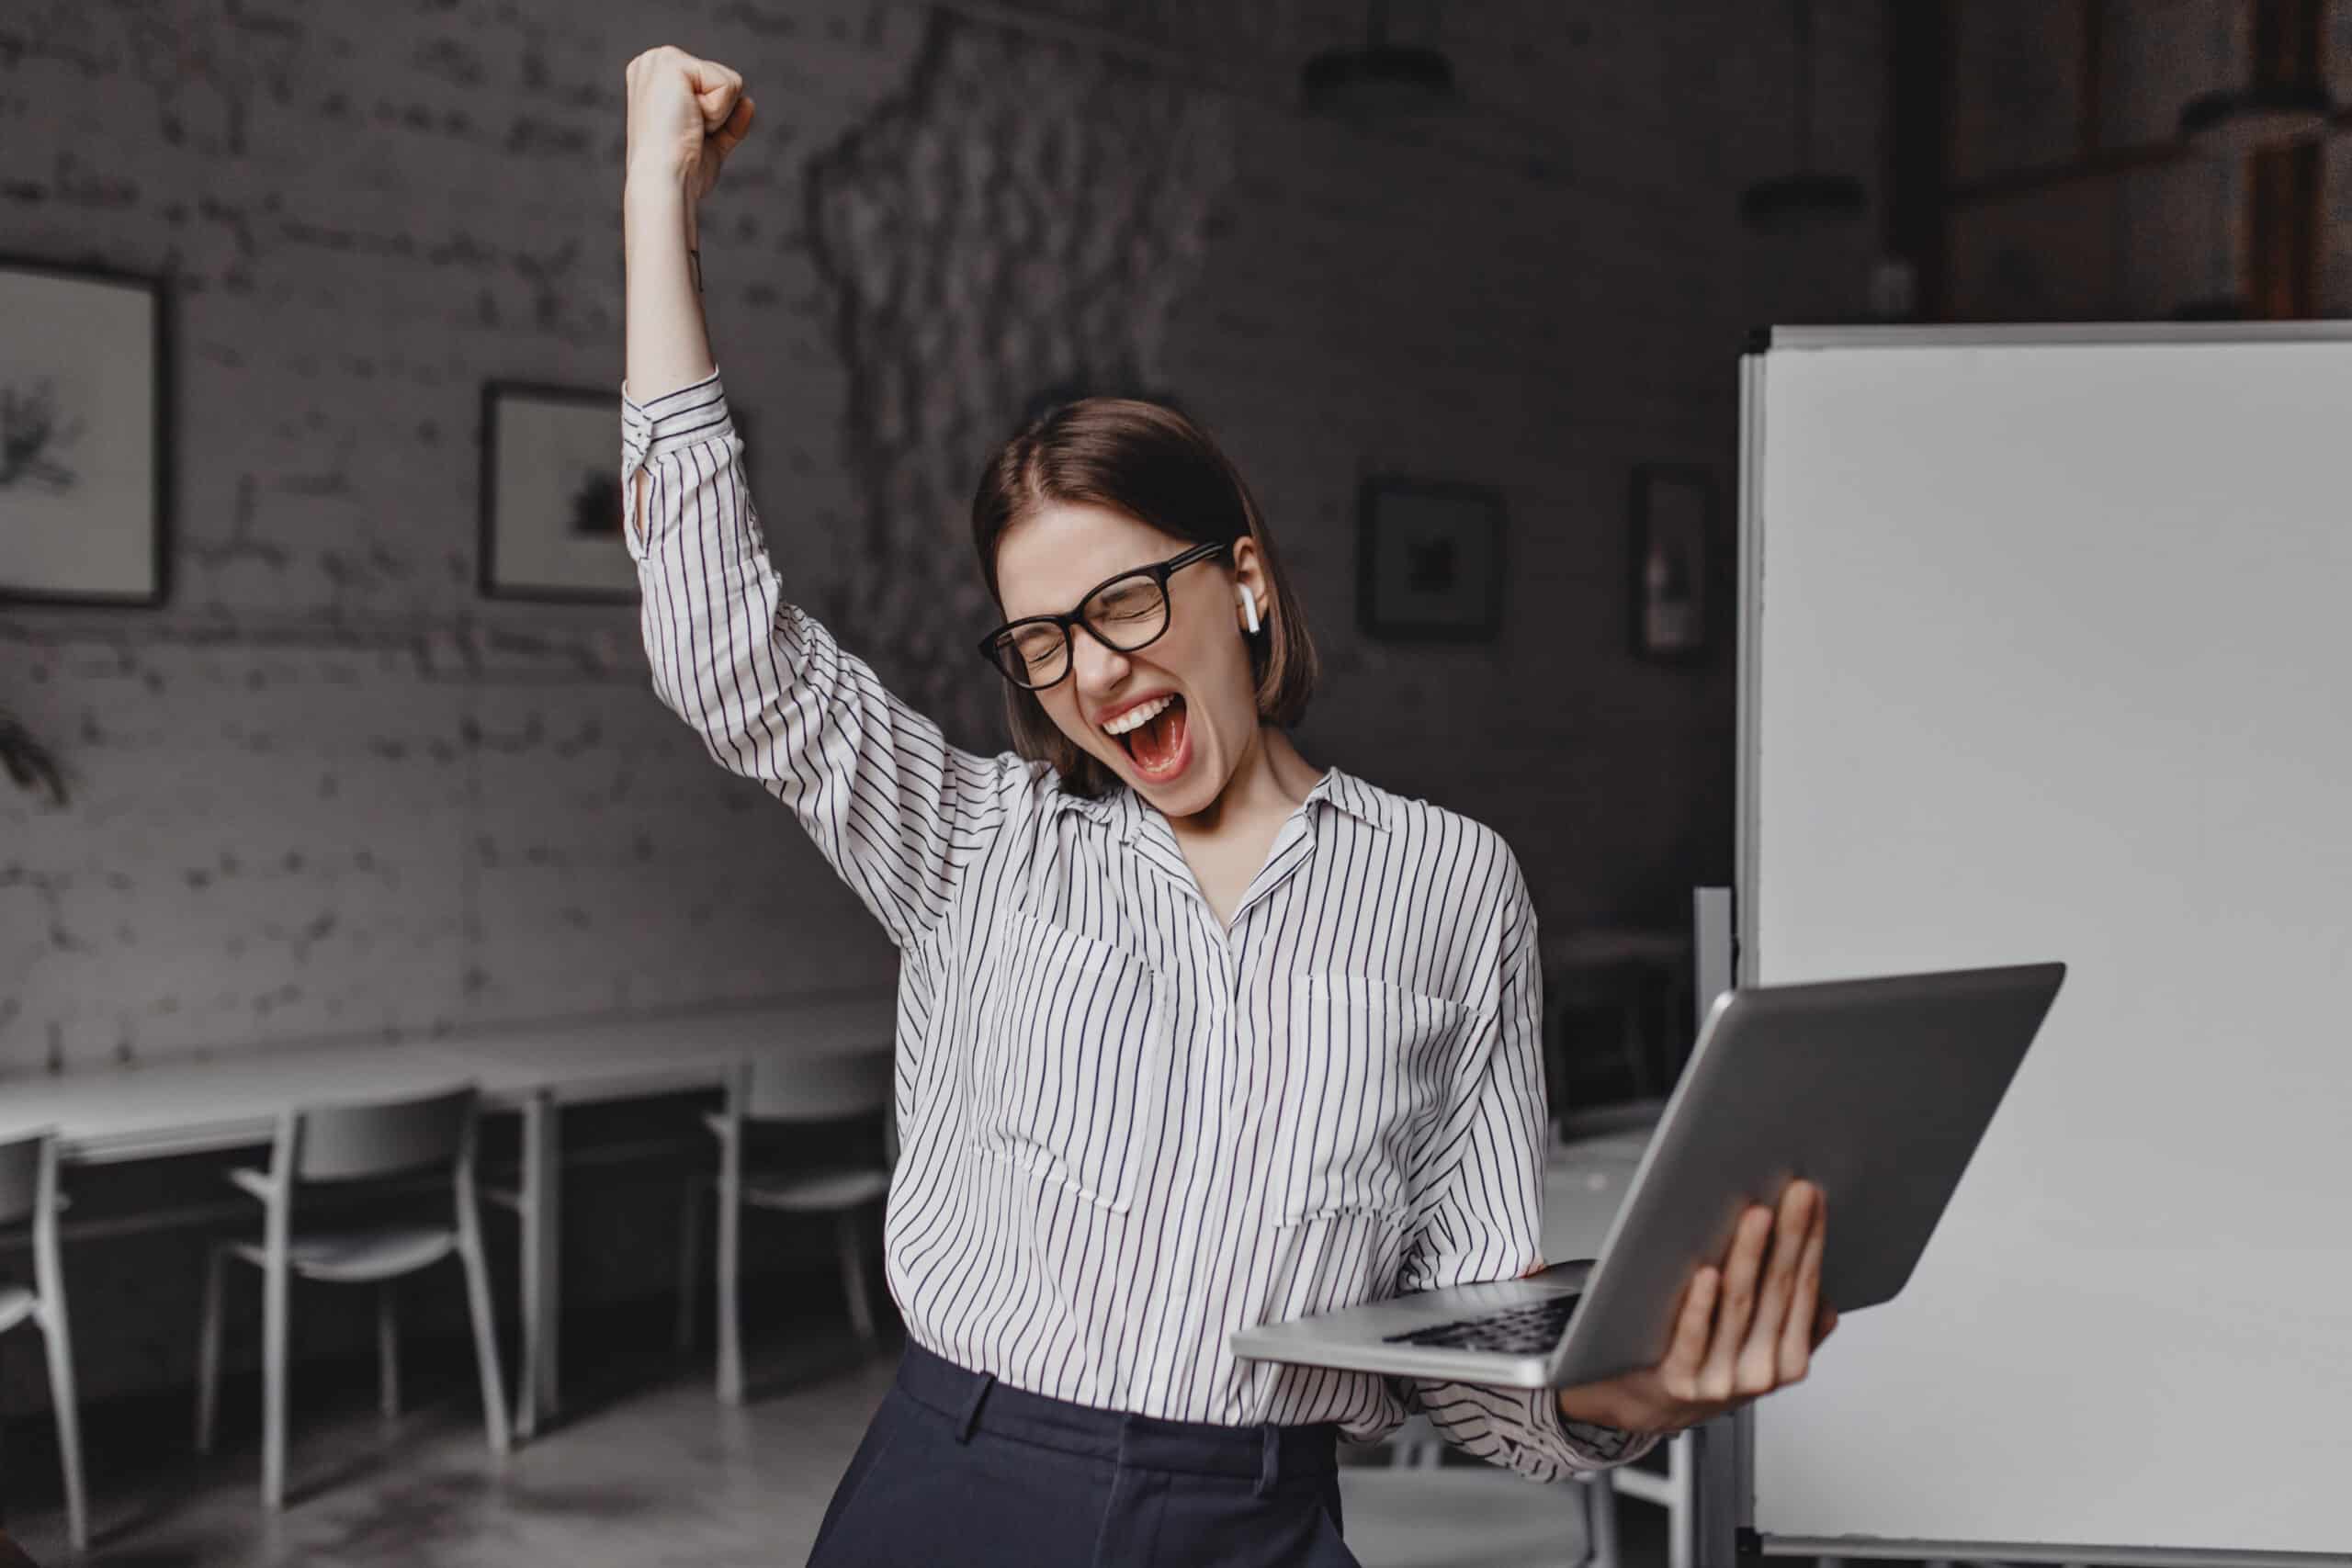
x: 2048, y: 655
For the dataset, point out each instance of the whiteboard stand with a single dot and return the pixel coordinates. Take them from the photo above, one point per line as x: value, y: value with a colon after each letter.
x: 1717, y: 1516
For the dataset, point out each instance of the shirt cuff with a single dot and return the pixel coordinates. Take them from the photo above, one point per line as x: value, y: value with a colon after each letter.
x: 676, y: 419
x: 1599, y: 1447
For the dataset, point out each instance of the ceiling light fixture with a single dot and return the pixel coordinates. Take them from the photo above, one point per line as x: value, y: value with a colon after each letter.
x: 1379, y: 81
x: 2286, y: 101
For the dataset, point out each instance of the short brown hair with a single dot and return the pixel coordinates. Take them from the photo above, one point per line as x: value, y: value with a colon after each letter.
x: 1151, y: 462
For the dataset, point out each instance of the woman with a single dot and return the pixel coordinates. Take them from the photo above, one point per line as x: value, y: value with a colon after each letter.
x: 1193, y: 1034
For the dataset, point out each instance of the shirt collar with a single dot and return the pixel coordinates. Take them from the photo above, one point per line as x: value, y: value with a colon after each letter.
x: 1121, y: 809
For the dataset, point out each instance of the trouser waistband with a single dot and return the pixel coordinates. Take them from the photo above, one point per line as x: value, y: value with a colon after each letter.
x: 977, y: 1401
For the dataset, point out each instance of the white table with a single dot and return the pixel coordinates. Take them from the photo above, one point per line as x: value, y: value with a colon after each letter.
x: 205, y: 1105
x: 541, y: 1070
x: 233, y: 1100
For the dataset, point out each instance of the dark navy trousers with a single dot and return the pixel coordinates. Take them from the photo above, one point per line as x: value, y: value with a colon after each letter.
x: 957, y: 1468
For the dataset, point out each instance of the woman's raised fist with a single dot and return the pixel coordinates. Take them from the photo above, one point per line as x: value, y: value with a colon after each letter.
x: 684, y: 116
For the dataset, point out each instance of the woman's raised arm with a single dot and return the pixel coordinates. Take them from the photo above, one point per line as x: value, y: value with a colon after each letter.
x: 684, y: 117
x: 895, y: 809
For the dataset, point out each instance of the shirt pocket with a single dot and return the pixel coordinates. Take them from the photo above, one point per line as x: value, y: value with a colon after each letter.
x: 1360, y: 1072
x: 1071, y: 1061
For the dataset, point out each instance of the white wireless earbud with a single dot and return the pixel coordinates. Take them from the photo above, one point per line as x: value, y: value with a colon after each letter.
x: 1249, y: 608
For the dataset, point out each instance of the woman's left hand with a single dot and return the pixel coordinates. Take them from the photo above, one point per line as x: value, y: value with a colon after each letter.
x: 1743, y: 1328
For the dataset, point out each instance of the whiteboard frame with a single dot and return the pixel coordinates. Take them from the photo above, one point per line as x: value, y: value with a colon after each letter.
x: 1731, y: 1467
x: 2044, y: 336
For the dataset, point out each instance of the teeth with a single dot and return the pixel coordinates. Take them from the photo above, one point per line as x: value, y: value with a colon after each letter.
x: 1137, y: 715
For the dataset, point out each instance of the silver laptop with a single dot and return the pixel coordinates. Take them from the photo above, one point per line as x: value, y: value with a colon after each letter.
x: 1879, y: 1088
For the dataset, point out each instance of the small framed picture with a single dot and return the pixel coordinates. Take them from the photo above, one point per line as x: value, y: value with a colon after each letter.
x: 1673, y: 562
x: 1429, y: 560
x: 551, y: 495
x: 84, y: 450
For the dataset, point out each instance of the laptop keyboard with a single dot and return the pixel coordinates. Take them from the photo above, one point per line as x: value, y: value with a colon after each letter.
x: 1516, y: 1331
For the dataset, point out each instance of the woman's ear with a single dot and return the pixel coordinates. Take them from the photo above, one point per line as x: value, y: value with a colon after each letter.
x: 1249, y: 577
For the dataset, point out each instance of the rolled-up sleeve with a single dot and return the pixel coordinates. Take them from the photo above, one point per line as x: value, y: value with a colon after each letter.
x: 894, y: 808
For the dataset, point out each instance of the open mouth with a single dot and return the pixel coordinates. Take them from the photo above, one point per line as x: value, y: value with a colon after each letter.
x: 1158, y: 745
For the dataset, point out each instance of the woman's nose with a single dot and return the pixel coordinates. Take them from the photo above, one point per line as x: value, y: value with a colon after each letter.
x: 1097, y: 669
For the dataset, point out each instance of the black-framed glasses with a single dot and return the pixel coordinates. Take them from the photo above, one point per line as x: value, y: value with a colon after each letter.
x: 1123, y: 612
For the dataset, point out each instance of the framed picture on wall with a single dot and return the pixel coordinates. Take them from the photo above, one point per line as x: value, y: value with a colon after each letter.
x: 1673, y: 558
x: 1429, y: 560
x: 84, y: 454
x: 551, y: 495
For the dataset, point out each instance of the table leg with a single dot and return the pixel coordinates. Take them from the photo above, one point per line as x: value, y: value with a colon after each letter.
x: 542, y: 1224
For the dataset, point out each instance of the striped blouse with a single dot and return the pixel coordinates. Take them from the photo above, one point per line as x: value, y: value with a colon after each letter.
x: 1126, y: 1128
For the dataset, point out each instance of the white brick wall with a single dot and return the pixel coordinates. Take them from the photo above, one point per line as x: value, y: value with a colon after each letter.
x: 328, y: 791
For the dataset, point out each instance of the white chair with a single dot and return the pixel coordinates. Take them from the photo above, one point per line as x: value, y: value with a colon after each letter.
x: 786, y: 1088
x: 1614, y: 969
x: 1474, y: 1513
x: 344, y: 1144
x: 28, y: 1196
x: 1417, y: 1446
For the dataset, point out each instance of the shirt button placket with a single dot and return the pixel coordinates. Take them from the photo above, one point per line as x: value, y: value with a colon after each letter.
x: 1236, y: 971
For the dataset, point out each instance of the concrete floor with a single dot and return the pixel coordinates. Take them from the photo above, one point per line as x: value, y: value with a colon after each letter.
x: 647, y: 1470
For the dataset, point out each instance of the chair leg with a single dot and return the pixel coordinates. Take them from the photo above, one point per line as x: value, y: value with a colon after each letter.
x: 861, y: 1311
x: 1682, y: 1514
x: 207, y: 1354
x: 542, y: 1262
x: 689, y: 1260
x: 493, y: 1384
x: 274, y: 1306
x: 730, y: 1319
x: 388, y: 1349
x: 69, y: 1419
x: 1601, y: 1517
